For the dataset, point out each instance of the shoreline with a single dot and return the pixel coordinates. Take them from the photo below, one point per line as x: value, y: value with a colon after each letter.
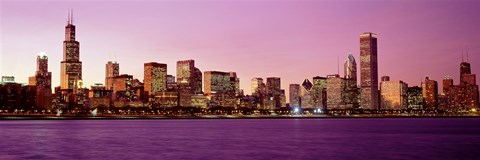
x: 36, y: 117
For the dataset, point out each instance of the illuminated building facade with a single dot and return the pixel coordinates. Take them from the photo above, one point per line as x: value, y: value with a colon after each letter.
x: 320, y: 92
x: 294, y: 95
x: 71, y: 66
x: 464, y: 96
x: 155, y: 78
x: 122, y: 87
x: 258, y: 92
x: 350, y: 68
x: 43, y: 82
x: 430, y: 93
x: 368, y: 71
x: 112, y: 69
x: 218, y: 88
x: 99, y: 96
x: 393, y: 94
x: 415, y: 100
x: 335, y: 92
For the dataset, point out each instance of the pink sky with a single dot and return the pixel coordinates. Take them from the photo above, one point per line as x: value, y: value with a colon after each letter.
x: 293, y: 40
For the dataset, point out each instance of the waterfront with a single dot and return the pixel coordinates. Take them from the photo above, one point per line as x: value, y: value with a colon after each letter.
x: 352, y: 138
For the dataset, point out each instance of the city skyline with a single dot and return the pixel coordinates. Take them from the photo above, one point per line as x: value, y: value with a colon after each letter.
x: 444, y: 65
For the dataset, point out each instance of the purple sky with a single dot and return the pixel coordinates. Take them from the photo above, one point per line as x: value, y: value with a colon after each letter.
x: 293, y: 40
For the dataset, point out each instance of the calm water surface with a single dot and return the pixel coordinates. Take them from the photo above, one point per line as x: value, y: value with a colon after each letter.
x: 410, y: 138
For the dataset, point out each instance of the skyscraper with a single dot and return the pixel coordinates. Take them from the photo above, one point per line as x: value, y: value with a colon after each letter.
x: 43, y: 81
x: 218, y: 88
x: 256, y: 85
x: 155, y: 77
x: 393, y: 94
x: 70, y: 66
x: 430, y: 93
x: 368, y: 71
x: 273, y: 90
x: 258, y: 92
x: 306, y: 94
x: 112, y: 69
x: 189, y: 77
x: 294, y: 92
x: 464, y: 96
x: 350, y: 68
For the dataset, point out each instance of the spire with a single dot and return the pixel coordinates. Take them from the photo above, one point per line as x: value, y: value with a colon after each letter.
x: 467, y: 55
x: 68, y: 18
x: 71, y: 20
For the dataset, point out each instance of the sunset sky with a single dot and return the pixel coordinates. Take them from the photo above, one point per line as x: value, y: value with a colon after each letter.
x: 293, y: 40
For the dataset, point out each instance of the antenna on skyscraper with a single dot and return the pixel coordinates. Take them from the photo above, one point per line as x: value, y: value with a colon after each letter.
x: 467, y: 55
x: 72, y: 17
x: 462, y: 54
x: 68, y: 18
x: 338, y: 66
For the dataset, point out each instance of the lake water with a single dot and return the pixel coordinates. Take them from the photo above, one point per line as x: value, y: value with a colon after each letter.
x: 376, y: 138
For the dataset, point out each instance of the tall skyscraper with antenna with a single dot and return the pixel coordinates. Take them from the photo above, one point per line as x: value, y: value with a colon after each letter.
x: 70, y: 66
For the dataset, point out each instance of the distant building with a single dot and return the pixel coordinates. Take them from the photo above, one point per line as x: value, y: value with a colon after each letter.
x: 8, y: 79
x: 320, y: 92
x: 155, y: 78
x: 112, y: 69
x: 258, y: 93
x: 273, y: 89
x: 350, y: 68
x: 464, y: 96
x: 189, y: 77
x: 306, y: 94
x: 294, y: 95
x: 71, y: 66
x: 99, y: 96
x: 335, y: 92
x: 218, y: 88
x: 122, y: 87
x: 415, y: 98
x: 393, y: 94
x: 369, y: 71
x: 43, y: 82
x: 430, y: 94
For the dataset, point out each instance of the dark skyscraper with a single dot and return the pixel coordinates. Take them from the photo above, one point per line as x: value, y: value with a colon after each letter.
x: 71, y: 66
x: 368, y: 71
